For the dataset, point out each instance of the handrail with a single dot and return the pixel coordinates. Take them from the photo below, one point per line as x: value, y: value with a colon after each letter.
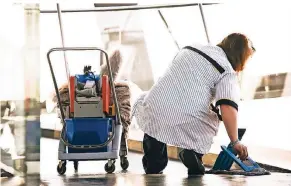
x: 126, y: 8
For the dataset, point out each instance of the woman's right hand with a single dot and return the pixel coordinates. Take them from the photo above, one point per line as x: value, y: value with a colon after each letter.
x: 241, y: 150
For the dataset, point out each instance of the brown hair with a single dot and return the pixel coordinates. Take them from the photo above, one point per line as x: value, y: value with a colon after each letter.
x: 238, y: 48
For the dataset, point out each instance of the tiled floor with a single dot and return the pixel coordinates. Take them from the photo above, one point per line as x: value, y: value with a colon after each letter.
x: 92, y: 173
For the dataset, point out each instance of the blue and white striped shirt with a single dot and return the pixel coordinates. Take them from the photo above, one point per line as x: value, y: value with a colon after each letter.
x: 176, y: 110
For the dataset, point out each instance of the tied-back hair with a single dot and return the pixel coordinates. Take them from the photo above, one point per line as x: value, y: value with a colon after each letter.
x: 238, y: 48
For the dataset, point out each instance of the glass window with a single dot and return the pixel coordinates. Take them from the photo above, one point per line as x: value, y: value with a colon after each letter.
x: 268, y: 72
x: 81, y: 30
x: 50, y: 37
x: 126, y: 34
x: 159, y: 43
x: 221, y: 20
x: 270, y: 59
x: 12, y: 37
x: 186, y: 25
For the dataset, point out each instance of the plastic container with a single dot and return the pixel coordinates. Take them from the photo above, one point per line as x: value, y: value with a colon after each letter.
x: 88, y: 131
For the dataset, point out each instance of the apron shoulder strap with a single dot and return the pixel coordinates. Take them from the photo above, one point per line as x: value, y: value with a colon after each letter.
x: 212, y: 61
x: 217, y: 66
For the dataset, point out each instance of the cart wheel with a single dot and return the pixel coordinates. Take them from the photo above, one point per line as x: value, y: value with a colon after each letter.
x: 61, y: 168
x: 76, y: 165
x: 124, y: 163
x: 110, y: 169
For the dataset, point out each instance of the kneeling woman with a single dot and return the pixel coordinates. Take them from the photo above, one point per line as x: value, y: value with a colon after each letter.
x: 178, y: 109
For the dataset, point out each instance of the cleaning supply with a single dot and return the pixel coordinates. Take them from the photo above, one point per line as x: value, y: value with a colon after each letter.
x: 90, y: 130
x: 228, y: 156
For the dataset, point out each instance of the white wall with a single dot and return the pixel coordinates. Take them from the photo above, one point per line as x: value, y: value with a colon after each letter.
x: 80, y: 30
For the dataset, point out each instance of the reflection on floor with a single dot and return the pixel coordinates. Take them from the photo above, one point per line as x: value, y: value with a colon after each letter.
x: 92, y: 173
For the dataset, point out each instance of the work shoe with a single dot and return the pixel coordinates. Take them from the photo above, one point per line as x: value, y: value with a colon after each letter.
x: 192, y: 162
x: 145, y: 164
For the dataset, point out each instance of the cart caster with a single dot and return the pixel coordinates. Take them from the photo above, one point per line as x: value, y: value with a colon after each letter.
x: 109, y: 169
x: 76, y: 165
x: 124, y: 163
x: 61, y: 168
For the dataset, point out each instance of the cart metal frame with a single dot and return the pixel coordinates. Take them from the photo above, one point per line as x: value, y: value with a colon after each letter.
x: 115, y: 138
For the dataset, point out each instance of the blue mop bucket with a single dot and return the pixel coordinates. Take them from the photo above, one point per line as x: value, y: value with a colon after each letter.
x: 87, y: 131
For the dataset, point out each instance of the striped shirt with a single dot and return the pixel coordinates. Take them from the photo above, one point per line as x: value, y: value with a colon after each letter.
x: 176, y: 110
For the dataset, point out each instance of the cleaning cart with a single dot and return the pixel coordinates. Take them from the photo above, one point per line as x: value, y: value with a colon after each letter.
x: 92, y: 128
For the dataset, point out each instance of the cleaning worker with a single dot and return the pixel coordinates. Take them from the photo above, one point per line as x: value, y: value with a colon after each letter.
x: 184, y: 107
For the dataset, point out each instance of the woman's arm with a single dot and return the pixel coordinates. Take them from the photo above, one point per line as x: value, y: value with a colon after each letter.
x: 229, y: 117
x: 227, y: 96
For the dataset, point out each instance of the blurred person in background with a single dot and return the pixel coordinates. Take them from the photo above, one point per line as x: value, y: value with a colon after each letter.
x: 7, y: 141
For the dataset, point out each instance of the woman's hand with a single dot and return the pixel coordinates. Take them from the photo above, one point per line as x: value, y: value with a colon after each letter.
x: 241, y: 150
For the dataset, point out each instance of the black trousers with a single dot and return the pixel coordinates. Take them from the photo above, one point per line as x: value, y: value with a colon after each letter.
x: 155, y: 157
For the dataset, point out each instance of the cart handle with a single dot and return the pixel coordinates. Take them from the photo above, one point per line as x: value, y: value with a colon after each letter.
x: 84, y: 49
x: 110, y: 79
